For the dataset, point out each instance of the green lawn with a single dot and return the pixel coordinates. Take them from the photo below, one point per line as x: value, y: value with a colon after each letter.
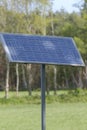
x: 59, y: 116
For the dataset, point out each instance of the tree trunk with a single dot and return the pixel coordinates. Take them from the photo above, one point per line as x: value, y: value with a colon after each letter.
x: 55, y: 69
x: 48, y: 85
x: 17, y: 79
x: 7, y: 81
x: 80, y: 79
x: 48, y: 79
x: 55, y: 80
x: 85, y: 75
x: 66, y: 79
x: 74, y: 80
x: 24, y: 78
x: 29, y: 79
x: 79, y: 83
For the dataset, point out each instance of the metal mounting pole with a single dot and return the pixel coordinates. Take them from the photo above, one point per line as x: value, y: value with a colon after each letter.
x: 43, y: 116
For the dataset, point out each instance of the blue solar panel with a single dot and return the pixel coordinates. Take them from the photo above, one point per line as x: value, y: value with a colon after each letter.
x: 41, y: 49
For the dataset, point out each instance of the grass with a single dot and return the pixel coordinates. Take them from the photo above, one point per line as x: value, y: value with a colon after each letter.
x: 70, y: 116
x: 69, y: 96
x: 59, y: 116
x: 65, y: 111
x: 21, y: 117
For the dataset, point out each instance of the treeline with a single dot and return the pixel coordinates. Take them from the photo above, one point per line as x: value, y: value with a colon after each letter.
x: 36, y: 17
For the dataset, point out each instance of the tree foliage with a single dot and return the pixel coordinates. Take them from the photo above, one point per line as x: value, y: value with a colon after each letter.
x: 36, y: 17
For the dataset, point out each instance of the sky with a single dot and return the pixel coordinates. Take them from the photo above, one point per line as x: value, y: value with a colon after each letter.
x: 66, y: 4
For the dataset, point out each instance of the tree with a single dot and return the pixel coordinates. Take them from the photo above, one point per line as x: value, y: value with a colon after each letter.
x: 2, y: 19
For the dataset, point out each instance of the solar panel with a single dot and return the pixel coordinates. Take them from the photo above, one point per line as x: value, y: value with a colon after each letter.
x: 41, y: 49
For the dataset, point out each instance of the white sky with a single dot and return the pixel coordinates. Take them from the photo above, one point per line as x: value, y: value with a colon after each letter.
x: 66, y: 4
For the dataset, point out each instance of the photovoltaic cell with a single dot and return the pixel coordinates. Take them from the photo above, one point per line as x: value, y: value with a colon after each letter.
x: 41, y: 49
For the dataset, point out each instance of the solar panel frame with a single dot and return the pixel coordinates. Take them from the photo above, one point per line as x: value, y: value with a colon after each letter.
x: 5, y: 48
x: 48, y: 44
